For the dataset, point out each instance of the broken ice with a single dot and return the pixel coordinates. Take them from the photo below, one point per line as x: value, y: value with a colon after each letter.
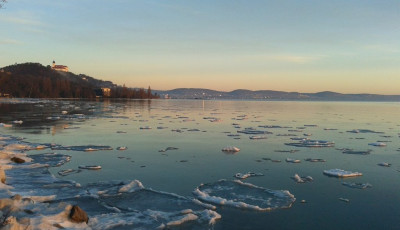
x: 244, y: 195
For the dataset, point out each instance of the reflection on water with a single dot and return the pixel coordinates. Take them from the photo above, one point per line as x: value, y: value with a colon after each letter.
x: 205, y: 127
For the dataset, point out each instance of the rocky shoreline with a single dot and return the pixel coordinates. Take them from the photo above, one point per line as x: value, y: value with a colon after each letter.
x: 25, y: 211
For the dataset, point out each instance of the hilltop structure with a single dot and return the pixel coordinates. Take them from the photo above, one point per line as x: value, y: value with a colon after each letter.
x: 59, y: 67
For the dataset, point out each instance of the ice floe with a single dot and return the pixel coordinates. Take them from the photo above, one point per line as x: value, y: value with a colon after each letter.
x: 363, y: 131
x: 358, y: 152
x: 90, y: 167
x: 168, y: 149
x: 84, y: 148
x: 232, y: 149
x: 385, y: 164
x: 274, y: 127
x: 66, y: 172
x: 344, y: 199
x: 287, y: 151
x: 315, y: 160
x: 357, y: 185
x: 312, y: 143
x: 51, y: 159
x: 242, y: 195
x: 341, y: 173
x: 378, y: 144
x: 302, y: 179
x: 247, y: 175
x: 291, y: 160
x: 253, y: 131
x: 258, y: 137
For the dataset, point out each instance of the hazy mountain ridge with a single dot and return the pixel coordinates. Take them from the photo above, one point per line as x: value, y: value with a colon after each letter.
x: 243, y: 94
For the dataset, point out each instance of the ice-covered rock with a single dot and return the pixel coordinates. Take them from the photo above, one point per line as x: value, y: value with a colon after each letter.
x: 78, y: 215
x: 17, y: 160
x: 2, y: 176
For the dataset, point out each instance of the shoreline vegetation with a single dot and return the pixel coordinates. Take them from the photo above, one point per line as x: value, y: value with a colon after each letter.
x: 33, y: 80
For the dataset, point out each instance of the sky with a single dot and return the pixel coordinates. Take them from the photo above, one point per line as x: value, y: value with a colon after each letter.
x: 347, y: 46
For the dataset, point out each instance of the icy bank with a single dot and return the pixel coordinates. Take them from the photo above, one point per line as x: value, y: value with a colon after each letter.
x: 47, y: 202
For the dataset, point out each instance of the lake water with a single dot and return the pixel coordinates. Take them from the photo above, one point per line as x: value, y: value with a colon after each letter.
x: 200, y: 129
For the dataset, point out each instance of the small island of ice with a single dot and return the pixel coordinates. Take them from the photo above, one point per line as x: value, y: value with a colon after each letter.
x: 341, y: 173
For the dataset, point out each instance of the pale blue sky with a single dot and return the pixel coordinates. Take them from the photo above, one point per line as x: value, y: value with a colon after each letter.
x: 306, y: 45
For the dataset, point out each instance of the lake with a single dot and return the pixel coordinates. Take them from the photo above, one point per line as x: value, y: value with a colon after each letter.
x: 174, y: 147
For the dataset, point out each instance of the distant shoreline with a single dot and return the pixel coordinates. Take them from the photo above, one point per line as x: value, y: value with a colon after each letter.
x: 270, y: 95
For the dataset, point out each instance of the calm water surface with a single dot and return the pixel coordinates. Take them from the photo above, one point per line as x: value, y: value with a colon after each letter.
x: 199, y: 158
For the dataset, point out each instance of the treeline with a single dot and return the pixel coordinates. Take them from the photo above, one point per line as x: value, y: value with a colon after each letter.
x: 124, y: 92
x: 33, y: 80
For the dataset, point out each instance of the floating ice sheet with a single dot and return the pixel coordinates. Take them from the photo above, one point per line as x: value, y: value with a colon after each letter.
x: 312, y: 143
x: 358, y: 152
x: 378, y: 144
x: 385, y: 164
x: 230, y: 149
x: 243, y: 195
x: 341, y: 173
x: 253, y: 131
x: 315, y: 160
x: 84, y: 148
x: 51, y: 159
x: 363, y: 131
x: 247, y: 175
x: 302, y: 179
x: 357, y: 185
x: 291, y: 160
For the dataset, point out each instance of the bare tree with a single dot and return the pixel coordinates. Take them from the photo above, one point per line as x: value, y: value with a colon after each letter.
x: 2, y: 3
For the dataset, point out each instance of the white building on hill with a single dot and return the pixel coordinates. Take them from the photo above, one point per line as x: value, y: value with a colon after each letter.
x: 63, y: 68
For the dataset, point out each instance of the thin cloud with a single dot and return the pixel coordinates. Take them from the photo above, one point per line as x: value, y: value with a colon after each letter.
x: 9, y: 42
x: 20, y: 21
x: 175, y: 7
x: 287, y: 58
x: 381, y: 48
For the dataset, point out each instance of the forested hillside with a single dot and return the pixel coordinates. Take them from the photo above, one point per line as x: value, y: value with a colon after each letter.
x: 37, y: 81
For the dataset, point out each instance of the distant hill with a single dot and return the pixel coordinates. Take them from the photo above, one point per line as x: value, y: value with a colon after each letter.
x: 37, y: 81
x: 243, y: 94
